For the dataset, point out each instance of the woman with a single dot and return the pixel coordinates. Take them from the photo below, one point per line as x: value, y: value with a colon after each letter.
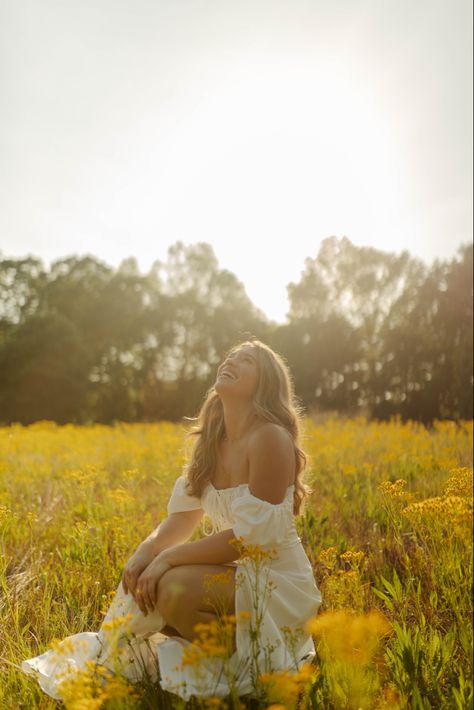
x: 245, y: 473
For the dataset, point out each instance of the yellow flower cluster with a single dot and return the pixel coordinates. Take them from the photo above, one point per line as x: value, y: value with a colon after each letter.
x: 285, y: 688
x: 90, y: 688
x: 118, y: 623
x: 213, y: 579
x: 328, y: 557
x: 459, y: 483
x: 353, y: 558
x: 64, y: 646
x: 255, y: 553
x: 69, y: 494
x: 214, y: 639
x: 452, y: 508
x: 349, y: 637
x: 394, y: 490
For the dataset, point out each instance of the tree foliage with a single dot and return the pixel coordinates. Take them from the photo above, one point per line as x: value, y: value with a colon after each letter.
x: 367, y: 331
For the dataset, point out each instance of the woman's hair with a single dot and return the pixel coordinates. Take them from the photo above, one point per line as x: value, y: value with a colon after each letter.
x: 273, y: 401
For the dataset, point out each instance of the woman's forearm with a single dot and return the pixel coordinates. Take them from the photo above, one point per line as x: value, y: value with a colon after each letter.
x: 174, y: 530
x: 215, y: 549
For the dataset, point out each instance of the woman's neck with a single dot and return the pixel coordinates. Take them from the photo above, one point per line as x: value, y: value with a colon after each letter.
x: 238, y: 419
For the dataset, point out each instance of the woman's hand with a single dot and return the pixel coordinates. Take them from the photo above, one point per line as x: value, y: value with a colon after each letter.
x: 146, y: 591
x: 139, y: 561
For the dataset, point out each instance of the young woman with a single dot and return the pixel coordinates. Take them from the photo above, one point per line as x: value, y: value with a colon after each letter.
x: 245, y: 474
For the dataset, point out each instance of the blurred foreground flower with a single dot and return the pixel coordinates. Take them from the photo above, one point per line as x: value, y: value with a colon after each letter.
x: 90, y: 688
x: 348, y: 637
x: 288, y: 687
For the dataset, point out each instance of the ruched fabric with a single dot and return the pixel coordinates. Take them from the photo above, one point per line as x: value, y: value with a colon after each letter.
x: 262, y: 523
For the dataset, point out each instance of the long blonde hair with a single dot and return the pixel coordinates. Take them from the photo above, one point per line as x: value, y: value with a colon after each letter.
x: 274, y: 401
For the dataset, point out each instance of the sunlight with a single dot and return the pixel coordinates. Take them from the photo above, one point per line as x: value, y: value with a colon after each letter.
x: 270, y: 146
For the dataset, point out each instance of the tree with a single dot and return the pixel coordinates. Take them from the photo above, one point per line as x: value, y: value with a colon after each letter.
x: 353, y: 289
x: 205, y: 311
x: 427, y: 343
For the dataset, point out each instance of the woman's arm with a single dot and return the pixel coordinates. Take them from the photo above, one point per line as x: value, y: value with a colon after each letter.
x: 174, y: 530
x: 215, y: 549
x: 271, y: 469
x: 212, y: 550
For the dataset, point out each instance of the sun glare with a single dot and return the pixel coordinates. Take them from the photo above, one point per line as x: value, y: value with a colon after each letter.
x: 270, y: 145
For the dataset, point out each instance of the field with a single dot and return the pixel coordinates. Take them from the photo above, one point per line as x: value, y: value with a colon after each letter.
x: 387, y: 528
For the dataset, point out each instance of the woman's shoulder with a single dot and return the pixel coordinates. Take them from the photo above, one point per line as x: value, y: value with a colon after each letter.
x: 271, y: 457
x: 270, y: 434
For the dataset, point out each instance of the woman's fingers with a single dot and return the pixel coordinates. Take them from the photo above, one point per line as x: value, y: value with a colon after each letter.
x: 130, y: 581
x: 138, y: 596
x: 146, y: 596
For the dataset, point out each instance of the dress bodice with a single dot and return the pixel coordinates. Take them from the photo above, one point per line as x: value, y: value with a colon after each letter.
x: 256, y: 520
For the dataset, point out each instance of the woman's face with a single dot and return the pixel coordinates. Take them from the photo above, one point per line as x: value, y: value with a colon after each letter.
x: 238, y: 374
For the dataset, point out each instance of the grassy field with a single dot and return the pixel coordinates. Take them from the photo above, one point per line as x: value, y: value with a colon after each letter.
x: 387, y: 528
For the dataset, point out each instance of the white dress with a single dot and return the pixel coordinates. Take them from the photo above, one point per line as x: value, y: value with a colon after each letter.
x: 290, y: 597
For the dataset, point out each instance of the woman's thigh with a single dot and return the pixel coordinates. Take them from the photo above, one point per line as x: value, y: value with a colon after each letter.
x: 201, y: 587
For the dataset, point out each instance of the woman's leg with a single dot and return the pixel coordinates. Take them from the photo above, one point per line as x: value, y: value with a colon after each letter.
x: 192, y: 594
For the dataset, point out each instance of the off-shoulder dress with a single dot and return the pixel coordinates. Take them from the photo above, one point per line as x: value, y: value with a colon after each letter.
x: 284, y: 589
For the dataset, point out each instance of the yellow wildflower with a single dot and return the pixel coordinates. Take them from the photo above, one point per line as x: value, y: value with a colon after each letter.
x: 349, y: 637
x: 459, y: 483
x: 394, y: 490
x: 328, y: 557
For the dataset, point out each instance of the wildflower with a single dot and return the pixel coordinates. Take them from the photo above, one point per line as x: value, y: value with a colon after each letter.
x: 91, y: 687
x: 214, y: 639
x: 244, y: 615
x: 118, y: 622
x: 211, y: 579
x: 286, y: 686
x: 64, y: 646
x: 328, y: 557
x: 394, y: 490
x: 459, y: 483
x: 349, y: 637
x: 255, y: 553
x: 456, y: 508
x: 352, y: 558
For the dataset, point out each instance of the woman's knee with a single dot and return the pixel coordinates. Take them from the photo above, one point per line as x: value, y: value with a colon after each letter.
x: 174, y: 589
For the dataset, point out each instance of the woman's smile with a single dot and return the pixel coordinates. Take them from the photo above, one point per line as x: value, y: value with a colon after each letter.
x: 240, y: 366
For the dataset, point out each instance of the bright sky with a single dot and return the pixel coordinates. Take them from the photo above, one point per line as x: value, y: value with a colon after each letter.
x: 259, y: 126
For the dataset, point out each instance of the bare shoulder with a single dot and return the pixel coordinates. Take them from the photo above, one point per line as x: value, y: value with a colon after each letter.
x: 270, y: 435
x: 271, y: 462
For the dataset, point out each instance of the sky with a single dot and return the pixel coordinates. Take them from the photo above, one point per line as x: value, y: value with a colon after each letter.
x: 258, y: 126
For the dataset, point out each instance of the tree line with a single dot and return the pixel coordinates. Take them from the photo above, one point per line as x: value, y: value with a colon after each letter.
x: 367, y: 331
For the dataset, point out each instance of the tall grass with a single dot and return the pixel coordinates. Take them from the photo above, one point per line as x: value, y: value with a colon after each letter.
x: 387, y: 528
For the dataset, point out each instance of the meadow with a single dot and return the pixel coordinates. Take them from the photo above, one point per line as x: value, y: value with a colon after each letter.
x: 387, y: 528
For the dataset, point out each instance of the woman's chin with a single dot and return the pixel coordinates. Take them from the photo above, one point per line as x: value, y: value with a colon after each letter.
x: 223, y: 386
x: 220, y: 386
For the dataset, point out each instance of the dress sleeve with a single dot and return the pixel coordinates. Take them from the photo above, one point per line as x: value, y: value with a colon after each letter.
x: 260, y: 522
x: 180, y: 500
